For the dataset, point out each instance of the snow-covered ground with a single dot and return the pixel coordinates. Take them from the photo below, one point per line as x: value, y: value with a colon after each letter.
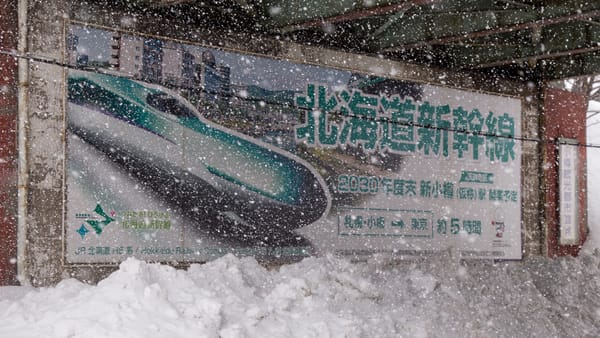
x: 318, y: 297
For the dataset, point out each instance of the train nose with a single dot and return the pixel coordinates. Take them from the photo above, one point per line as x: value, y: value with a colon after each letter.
x: 275, y: 177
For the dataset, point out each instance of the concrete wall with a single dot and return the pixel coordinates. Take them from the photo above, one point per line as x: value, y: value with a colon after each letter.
x: 45, y: 137
x: 43, y: 260
x: 42, y: 263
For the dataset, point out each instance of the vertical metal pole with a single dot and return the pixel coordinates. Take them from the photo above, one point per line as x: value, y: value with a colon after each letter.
x: 23, y: 169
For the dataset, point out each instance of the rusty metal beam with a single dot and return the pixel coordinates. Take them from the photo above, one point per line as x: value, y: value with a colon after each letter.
x: 167, y: 3
x: 511, y: 28
x: 536, y: 58
x: 359, y: 14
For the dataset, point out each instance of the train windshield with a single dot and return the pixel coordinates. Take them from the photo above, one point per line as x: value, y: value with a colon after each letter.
x: 169, y: 104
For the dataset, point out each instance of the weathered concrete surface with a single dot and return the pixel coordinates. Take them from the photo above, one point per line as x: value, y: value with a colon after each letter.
x: 45, y: 144
x: 531, y: 204
x: 44, y: 247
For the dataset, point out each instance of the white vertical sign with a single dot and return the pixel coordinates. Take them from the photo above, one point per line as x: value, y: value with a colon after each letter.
x: 568, y: 168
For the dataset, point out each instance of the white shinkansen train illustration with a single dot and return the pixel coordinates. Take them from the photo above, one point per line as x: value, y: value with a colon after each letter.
x: 164, y: 141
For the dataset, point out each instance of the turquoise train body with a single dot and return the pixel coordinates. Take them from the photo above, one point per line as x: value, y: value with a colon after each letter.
x: 164, y: 141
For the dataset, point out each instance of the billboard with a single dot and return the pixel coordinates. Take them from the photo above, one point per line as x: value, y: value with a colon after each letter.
x: 177, y: 152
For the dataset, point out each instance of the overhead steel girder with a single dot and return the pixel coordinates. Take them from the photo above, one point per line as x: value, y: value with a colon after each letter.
x: 570, y: 65
x: 435, y: 28
x: 416, y: 33
x: 287, y: 16
x: 550, y: 42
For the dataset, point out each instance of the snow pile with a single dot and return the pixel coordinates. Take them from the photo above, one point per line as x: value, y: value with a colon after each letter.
x: 318, y: 297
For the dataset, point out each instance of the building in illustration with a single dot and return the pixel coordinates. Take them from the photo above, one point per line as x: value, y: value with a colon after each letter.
x: 137, y: 57
x: 225, y: 73
x: 127, y: 54
x: 72, y: 44
x: 213, y: 79
x: 83, y: 60
x: 172, y: 64
x: 152, y: 60
x: 168, y: 63
x: 187, y: 70
x: 115, y: 47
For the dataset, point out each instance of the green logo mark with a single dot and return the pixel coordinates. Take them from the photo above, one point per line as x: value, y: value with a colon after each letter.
x: 97, y: 225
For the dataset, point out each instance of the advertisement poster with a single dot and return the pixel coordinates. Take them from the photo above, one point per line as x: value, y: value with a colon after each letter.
x: 177, y: 152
